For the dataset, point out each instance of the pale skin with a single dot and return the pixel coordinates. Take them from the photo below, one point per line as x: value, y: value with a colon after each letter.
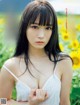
x: 39, y: 59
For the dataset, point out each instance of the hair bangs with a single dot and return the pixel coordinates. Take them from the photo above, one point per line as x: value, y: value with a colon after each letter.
x: 45, y: 16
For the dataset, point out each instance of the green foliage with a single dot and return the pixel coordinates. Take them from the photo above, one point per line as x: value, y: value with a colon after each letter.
x: 14, y: 94
x: 6, y: 49
x: 75, y: 90
x: 5, y: 53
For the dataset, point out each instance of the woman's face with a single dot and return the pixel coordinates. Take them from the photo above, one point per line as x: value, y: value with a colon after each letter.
x: 38, y: 36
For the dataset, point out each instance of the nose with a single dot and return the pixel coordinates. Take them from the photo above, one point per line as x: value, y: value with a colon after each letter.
x: 41, y: 33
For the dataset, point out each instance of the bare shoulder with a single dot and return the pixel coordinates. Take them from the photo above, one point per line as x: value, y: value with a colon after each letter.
x: 12, y: 62
x: 12, y: 65
x: 66, y: 61
x: 66, y: 64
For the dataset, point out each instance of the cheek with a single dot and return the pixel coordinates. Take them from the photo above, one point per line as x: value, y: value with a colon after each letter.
x: 49, y: 35
x: 30, y: 35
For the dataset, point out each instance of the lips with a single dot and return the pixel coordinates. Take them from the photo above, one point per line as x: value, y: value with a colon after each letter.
x: 39, y: 42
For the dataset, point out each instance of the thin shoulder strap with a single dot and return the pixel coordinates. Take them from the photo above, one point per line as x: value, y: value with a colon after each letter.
x: 15, y: 76
x: 10, y: 72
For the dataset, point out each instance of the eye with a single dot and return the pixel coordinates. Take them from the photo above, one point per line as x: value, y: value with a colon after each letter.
x: 48, y: 28
x: 34, y: 27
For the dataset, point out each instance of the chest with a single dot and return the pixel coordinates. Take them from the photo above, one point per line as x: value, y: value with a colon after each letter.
x: 39, y: 79
x: 52, y: 86
x: 41, y: 72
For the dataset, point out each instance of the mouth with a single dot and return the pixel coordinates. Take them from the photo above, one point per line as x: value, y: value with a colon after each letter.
x: 39, y: 42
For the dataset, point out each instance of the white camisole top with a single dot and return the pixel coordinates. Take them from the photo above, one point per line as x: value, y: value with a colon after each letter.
x: 52, y: 86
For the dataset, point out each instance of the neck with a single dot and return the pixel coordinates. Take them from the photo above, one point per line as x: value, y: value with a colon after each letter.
x: 37, y: 53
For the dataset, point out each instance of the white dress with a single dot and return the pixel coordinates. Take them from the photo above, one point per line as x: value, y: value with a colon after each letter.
x: 52, y: 86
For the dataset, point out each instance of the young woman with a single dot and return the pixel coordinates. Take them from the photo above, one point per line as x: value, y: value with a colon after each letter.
x: 41, y: 73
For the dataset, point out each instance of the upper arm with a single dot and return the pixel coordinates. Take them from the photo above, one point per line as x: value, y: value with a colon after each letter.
x: 66, y: 81
x: 6, y: 83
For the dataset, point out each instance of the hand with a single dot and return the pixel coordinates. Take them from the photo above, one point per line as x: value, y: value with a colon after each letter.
x: 37, y: 96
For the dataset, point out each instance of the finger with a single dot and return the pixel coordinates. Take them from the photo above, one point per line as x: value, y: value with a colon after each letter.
x: 40, y: 95
x: 46, y: 95
x: 32, y: 93
x: 37, y: 92
x: 43, y: 93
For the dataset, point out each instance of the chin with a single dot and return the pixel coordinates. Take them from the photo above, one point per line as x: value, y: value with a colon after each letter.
x: 39, y: 47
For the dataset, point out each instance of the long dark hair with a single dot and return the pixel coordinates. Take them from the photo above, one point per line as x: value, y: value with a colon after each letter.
x: 47, y: 17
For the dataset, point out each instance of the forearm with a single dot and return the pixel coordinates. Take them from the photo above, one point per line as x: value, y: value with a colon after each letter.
x: 65, y: 103
x: 12, y: 102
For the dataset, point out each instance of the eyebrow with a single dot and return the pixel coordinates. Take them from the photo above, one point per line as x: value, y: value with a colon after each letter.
x: 46, y: 25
